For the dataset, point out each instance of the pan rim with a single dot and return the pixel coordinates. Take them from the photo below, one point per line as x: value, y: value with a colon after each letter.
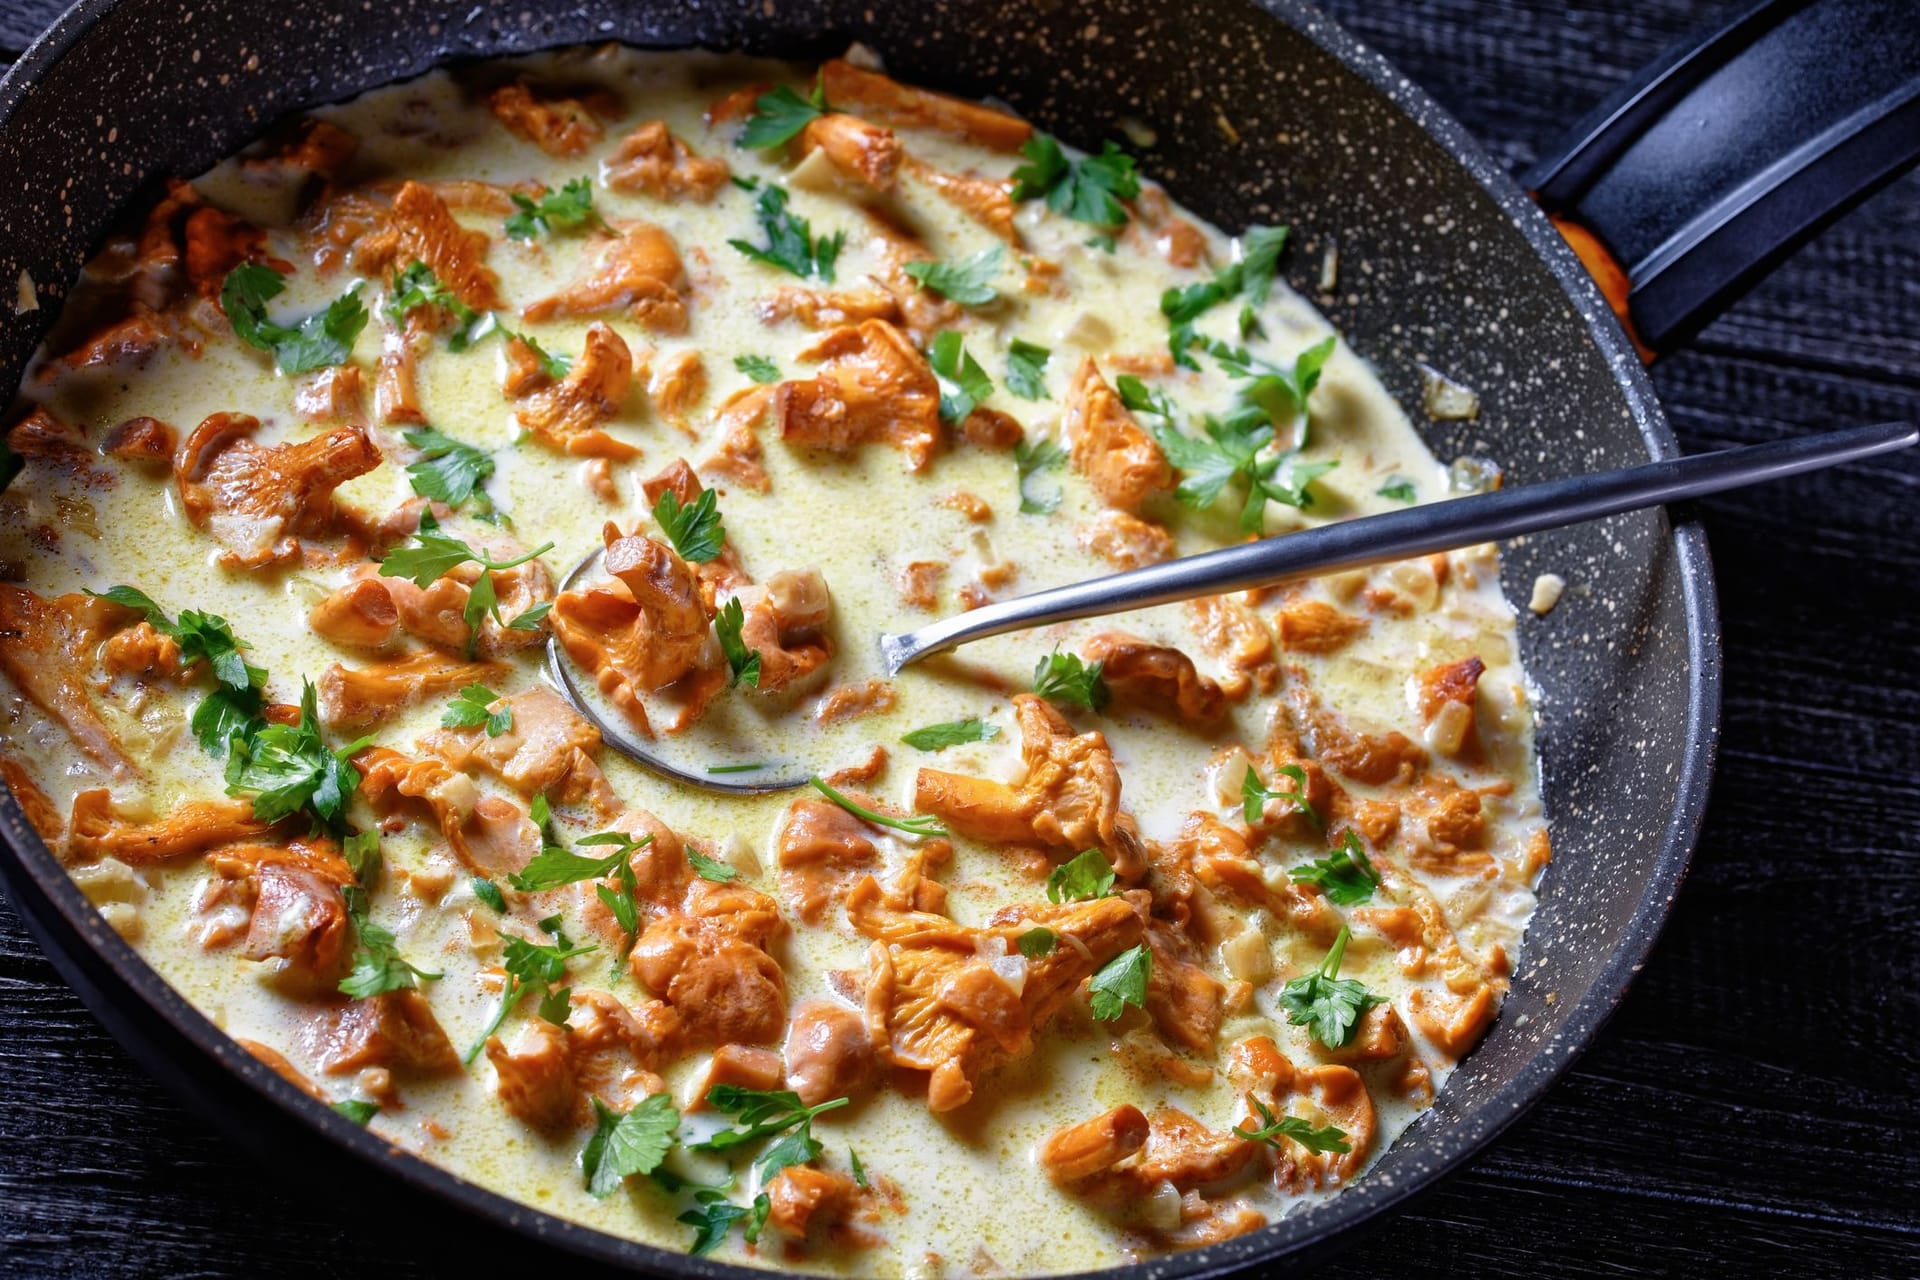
x: 1316, y: 1230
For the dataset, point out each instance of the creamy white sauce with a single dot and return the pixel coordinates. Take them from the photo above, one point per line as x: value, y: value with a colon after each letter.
x: 974, y: 1198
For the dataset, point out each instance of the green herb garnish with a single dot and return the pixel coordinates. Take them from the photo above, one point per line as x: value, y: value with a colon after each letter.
x: 968, y: 280
x: 695, y: 529
x: 742, y: 662
x: 1121, y: 981
x: 317, y: 342
x: 623, y: 1145
x: 1347, y: 876
x: 1064, y: 678
x: 1328, y: 1006
x: 936, y: 737
x: 918, y: 825
x: 1026, y: 363
x: 779, y: 116
x: 1254, y: 794
x: 1088, y: 189
x: 959, y: 371
x: 790, y: 244
x: 1030, y: 458
x: 759, y: 368
x: 1086, y: 875
x: 1273, y: 1128
x: 470, y: 709
x: 569, y: 208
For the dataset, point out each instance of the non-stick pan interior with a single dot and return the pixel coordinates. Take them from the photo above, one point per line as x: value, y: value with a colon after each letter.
x: 1257, y: 115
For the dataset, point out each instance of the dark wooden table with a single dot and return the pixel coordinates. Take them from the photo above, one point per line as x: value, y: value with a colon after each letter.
x: 1756, y: 1103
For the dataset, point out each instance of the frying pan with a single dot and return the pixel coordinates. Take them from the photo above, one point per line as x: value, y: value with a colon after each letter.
x: 1680, y: 191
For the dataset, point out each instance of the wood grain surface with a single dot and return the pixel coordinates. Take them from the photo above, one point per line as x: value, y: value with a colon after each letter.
x: 1755, y: 1105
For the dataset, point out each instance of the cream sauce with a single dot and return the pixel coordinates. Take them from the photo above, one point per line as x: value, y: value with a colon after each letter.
x: 974, y: 1198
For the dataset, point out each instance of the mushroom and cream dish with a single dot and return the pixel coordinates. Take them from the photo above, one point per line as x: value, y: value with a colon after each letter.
x: 1076, y: 946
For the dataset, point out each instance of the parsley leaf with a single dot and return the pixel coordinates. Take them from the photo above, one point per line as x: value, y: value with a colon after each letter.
x: 694, y: 529
x: 859, y: 1173
x: 1273, y: 1128
x: 962, y: 372
x: 434, y: 554
x: 743, y: 662
x: 356, y: 1110
x: 1035, y: 943
x: 199, y: 635
x: 1030, y: 458
x: 1064, y: 678
x: 759, y: 368
x: 488, y: 892
x: 448, y: 470
x: 711, y: 869
x: 377, y: 965
x: 417, y: 286
x: 225, y: 713
x: 1347, y: 876
x: 935, y: 737
x: 1253, y: 275
x: 471, y: 709
x: 1280, y: 395
x: 623, y: 1145
x: 1122, y: 981
x: 1260, y: 261
x: 1026, y: 362
x: 569, y: 208
x: 532, y: 618
x: 711, y: 1221
x: 968, y: 281
x: 1086, y: 875
x: 554, y: 866
x: 1400, y: 489
x: 917, y: 825
x: 761, y: 1113
x: 1234, y: 448
x: 288, y: 768
x: 1328, y: 1006
x: 1088, y: 189
x: 1254, y: 794
x: 790, y: 243
x: 779, y: 116
x: 317, y: 342
x: 529, y: 965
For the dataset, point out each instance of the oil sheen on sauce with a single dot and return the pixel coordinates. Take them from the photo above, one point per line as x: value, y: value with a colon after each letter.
x: 974, y: 1200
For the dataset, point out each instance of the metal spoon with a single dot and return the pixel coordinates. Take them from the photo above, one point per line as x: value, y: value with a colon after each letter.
x: 1332, y: 548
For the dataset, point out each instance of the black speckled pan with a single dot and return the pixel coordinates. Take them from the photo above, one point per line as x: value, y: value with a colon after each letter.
x: 1261, y: 112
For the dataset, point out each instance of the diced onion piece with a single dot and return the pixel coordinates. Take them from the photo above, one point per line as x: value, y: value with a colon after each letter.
x: 1445, y: 399
x: 1546, y: 593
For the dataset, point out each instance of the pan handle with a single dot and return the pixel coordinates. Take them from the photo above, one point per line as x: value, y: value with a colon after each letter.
x: 1692, y: 182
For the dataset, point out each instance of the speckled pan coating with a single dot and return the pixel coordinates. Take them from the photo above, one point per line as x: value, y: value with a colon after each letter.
x: 1262, y: 112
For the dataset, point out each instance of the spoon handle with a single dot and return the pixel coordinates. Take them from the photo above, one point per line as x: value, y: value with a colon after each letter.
x: 1399, y: 535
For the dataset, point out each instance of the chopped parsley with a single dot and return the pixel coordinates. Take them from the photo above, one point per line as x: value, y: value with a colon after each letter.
x: 356, y: 1110
x: 936, y: 737
x: 790, y: 244
x: 434, y: 554
x: 968, y: 281
x: 759, y: 368
x: 1347, y: 876
x: 449, y: 470
x: 569, y: 208
x: 1235, y: 449
x: 554, y: 866
x: 859, y: 1171
x: 1035, y: 943
x: 711, y: 869
x: 713, y: 1217
x: 1087, y: 190
x: 1086, y: 875
x: 1064, y: 678
x: 289, y: 769
x: 199, y: 635
x: 1254, y: 794
x: 377, y: 964
x: 417, y: 286
x: 1253, y: 275
x: 1400, y: 489
x: 695, y: 529
x: 623, y: 1145
x: 742, y: 662
x: 320, y: 341
x: 1328, y: 1006
x: 529, y: 966
x: 1030, y: 458
x: 470, y: 710
x: 488, y: 892
x: 1122, y: 981
x: 779, y: 116
x: 1026, y: 363
x: 959, y: 371
x: 917, y: 825
x: 1273, y: 1128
